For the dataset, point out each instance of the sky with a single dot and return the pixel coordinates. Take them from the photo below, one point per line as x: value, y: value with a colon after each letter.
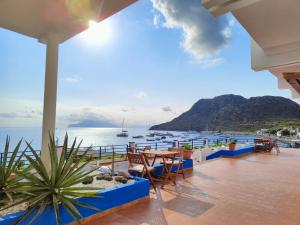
x: 147, y: 64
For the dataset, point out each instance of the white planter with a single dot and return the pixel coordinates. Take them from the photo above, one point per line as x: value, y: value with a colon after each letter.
x: 197, y: 155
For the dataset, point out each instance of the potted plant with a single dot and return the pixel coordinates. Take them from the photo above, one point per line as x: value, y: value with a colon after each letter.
x: 232, y: 145
x: 186, y: 151
x: 47, y: 189
x: 9, y: 181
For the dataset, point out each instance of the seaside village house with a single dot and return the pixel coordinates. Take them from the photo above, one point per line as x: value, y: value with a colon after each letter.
x: 228, y: 191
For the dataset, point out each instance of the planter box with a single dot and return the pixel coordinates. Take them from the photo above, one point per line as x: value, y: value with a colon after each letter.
x: 110, y: 199
x: 186, y: 154
x: 229, y: 153
x: 231, y: 147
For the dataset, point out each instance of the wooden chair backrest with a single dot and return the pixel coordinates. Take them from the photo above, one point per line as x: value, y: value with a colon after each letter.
x: 178, y: 152
x: 134, y: 158
x: 138, y: 158
x: 147, y: 148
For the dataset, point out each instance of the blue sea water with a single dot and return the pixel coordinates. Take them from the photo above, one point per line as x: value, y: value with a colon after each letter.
x: 90, y: 136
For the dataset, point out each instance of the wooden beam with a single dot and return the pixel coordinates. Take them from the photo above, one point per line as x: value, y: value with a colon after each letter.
x: 293, y: 78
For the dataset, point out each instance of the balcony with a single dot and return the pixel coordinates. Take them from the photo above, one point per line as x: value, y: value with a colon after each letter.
x: 260, y: 188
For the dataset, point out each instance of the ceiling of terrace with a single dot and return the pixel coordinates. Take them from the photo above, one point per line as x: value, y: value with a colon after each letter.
x: 59, y: 18
x: 273, y: 24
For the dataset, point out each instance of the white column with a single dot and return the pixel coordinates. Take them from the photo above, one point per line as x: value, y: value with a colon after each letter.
x: 50, y: 93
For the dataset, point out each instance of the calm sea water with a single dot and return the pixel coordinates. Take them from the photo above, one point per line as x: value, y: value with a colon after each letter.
x: 90, y: 136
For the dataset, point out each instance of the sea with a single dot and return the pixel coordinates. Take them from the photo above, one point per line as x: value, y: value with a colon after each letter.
x: 99, y: 136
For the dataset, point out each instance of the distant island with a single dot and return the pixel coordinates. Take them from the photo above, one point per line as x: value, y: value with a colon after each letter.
x: 94, y: 124
x: 236, y: 113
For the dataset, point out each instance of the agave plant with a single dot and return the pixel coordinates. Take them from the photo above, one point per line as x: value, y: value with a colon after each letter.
x: 55, y: 187
x: 9, y: 181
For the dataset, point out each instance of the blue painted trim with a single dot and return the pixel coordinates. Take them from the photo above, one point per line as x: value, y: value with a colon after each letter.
x: 228, y: 153
x: 109, y: 198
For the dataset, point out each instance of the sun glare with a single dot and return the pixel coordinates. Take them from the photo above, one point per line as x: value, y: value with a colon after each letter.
x: 98, y: 33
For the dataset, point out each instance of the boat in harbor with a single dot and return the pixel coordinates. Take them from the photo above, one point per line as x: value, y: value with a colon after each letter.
x: 124, y: 133
x: 138, y: 137
x: 150, y: 139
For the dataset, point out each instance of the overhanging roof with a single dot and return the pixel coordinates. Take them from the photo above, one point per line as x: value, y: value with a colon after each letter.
x: 60, y: 18
x: 273, y: 26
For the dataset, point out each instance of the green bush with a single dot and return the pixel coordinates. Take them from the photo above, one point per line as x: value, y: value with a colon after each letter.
x: 54, y: 187
x: 285, y: 132
x: 88, y: 180
x: 9, y: 181
x: 187, y: 147
x: 232, y: 142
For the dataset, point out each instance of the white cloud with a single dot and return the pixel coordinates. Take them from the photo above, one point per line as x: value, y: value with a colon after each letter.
x: 20, y: 113
x: 9, y: 115
x: 141, y: 95
x: 127, y: 109
x: 72, y: 79
x: 156, y: 20
x: 135, y: 116
x: 167, y: 109
x: 208, y: 63
x: 28, y: 113
x: 203, y: 34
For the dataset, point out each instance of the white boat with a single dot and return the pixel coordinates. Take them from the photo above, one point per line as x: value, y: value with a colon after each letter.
x: 124, y: 133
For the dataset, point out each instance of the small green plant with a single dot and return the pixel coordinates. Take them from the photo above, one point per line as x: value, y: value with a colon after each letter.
x: 21, y: 165
x: 285, y: 132
x: 233, y: 142
x: 55, y: 187
x: 88, y: 180
x: 9, y: 180
x: 187, y: 147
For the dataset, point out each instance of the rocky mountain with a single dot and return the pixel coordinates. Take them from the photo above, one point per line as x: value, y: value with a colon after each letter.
x: 236, y: 113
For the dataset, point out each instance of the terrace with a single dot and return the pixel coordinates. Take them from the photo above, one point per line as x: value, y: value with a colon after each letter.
x: 258, y: 188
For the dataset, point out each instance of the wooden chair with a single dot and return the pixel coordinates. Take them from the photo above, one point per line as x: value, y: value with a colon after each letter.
x: 143, y: 149
x: 180, y: 162
x: 175, y: 162
x: 273, y: 144
x: 139, y: 166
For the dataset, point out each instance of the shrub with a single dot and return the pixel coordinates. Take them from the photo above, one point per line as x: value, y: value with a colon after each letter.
x: 88, y: 180
x: 55, y: 187
x: 285, y: 132
x: 232, y: 142
x: 9, y: 181
x: 187, y: 147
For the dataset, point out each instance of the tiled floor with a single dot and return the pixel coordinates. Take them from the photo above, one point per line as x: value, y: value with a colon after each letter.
x: 258, y: 189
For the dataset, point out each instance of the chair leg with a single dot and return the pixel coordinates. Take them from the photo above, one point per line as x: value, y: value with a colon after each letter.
x: 182, y: 170
x: 277, y: 149
x: 151, y: 180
